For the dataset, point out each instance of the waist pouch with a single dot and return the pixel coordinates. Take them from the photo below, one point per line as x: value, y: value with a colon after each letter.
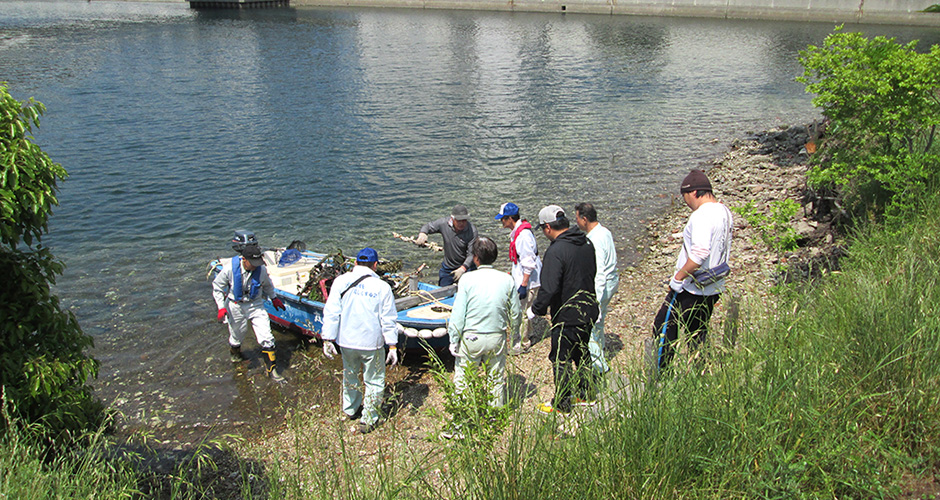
x: 705, y: 277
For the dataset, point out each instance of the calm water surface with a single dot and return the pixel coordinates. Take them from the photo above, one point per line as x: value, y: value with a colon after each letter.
x: 338, y: 127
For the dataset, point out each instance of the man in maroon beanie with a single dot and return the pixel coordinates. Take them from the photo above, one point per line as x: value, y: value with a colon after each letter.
x: 700, y: 272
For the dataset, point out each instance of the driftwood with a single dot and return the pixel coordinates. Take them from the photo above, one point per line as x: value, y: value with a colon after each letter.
x: 429, y: 244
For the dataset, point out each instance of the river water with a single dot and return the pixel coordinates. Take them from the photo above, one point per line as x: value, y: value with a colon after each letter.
x: 338, y: 127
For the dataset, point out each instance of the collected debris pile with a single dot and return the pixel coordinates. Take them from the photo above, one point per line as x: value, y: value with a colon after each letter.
x: 318, y: 285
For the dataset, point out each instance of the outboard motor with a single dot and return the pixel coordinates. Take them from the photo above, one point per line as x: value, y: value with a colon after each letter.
x: 242, y: 239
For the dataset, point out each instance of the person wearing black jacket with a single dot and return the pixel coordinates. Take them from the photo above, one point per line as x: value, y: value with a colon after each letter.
x: 567, y: 292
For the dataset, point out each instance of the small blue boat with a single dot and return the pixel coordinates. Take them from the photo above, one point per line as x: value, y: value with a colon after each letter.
x: 422, y: 315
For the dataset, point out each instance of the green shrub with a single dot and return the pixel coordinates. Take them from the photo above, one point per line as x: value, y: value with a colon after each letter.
x: 775, y: 229
x: 881, y: 98
x: 43, y: 368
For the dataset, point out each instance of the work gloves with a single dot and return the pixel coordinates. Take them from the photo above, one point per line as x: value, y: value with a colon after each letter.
x: 454, y: 350
x: 523, y: 290
x: 329, y: 349
x: 675, y: 285
x: 392, y: 357
x: 457, y: 273
x: 278, y: 304
x: 421, y: 239
x: 222, y: 313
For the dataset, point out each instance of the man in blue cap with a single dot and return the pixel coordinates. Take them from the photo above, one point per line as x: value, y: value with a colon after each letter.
x: 360, y: 315
x: 526, y: 266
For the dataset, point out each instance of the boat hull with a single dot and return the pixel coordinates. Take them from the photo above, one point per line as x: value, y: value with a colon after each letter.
x: 423, y: 316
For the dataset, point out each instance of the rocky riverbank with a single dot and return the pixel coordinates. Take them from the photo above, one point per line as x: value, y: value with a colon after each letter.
x: 761, y: 170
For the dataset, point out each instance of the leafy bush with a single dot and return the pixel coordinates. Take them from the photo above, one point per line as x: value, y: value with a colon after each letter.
x: 473, y: 413
x: 883, y: 102
x: 43, y: 368
x: 775, y: 229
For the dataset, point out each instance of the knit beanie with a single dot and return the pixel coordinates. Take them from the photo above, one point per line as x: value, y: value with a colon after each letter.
x: 695, y: 181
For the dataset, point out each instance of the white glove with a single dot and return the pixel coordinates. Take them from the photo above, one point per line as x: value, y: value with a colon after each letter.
x: 329, y: 349
x: 421, y: 239
x: 675, y: 284
x: 529, y: 314
x: 392, y: 358
x: 454, y: 350
x: 457, y: 273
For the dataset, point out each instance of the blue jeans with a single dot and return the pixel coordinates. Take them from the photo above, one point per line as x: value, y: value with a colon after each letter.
x: 445, y: 278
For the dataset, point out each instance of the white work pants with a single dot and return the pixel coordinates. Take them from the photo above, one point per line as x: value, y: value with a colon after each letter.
x: 596, y: 344
x: 488, y: 349
x: 240, y: 314
x: 371, y: 364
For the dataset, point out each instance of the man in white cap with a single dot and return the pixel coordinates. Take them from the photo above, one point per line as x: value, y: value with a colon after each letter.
x: 239, y: 291
x: 567, y: 291
x: 605, y: 281
x: 700, y: 272
x: 458, y: 232
x: 360, y: 315
x: 526, y: 266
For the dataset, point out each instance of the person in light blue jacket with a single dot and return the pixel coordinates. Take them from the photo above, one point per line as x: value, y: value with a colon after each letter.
x: 359, y: 316
x: 485, y: 309
x: 605, y: 281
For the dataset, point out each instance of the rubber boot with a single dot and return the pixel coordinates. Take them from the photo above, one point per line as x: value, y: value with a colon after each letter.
x: 235, y: 351
x: 270, y: 365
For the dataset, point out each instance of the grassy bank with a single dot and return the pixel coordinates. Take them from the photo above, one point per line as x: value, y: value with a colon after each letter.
x: 834, y: 393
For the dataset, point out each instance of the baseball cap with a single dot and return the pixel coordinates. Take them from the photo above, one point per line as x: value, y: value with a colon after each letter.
x: 253, y: 254
x: 460, y: 212
x: 367, y: 255
x: 695, y: 181
x: 507, y: 209
x: 550, y: 213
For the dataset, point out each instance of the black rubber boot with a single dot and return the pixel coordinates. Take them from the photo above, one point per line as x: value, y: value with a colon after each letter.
x: 270, y: 365
x: 236, y: 353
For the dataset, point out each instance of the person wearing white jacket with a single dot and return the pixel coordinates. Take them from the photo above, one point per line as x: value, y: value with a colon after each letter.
x: 605, y: 281
x: 359, y: 316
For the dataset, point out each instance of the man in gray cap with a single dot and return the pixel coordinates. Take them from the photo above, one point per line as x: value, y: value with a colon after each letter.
x: 567, y: 291
x: 458, y: 232
x: 700, y: 272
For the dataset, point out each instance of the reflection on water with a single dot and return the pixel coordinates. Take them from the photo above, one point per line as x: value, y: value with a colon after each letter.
x: 340, y: 127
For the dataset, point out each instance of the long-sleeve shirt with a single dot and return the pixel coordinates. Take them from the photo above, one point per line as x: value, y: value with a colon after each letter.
x: 364, y: 317
x: 605, y: 254
x: 706, y: 240
x: 485, y: 303
x: 222, y: 285
x: 527, y: 251
x: 456, y: 245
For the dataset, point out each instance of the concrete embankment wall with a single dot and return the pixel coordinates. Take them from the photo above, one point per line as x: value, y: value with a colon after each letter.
x: 837, y: 11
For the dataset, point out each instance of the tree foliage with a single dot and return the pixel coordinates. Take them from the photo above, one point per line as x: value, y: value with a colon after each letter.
x: 43, y: 368
x: 883, y: 102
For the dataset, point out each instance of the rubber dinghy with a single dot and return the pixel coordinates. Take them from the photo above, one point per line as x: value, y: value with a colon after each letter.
x: 422, y: 314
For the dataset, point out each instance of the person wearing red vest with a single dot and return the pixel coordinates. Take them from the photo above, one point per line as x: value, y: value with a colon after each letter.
x: 526, y: 267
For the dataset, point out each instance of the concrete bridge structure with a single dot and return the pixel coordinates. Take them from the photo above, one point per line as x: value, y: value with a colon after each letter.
x: 905, y: 12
